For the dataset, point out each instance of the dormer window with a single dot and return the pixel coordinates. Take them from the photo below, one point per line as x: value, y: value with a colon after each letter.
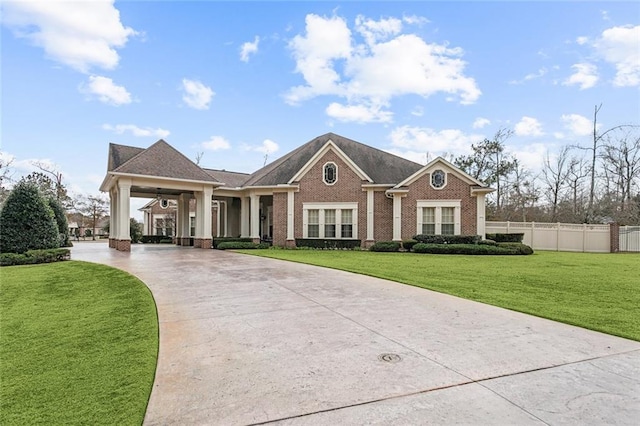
x: 330, y: 173
x: 438, y: 179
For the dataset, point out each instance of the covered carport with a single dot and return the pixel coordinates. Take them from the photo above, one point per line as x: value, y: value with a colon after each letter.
x: 158, y: 171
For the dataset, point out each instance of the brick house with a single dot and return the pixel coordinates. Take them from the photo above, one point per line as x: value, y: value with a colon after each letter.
x: 329, y: 188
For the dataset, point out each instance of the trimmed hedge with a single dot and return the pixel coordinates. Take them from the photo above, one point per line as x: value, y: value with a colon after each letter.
x: 506, y: 238
x: 220, y: 240
x: 33, y: 257
x: 473, y: 249
x: 447, y: 239
x: 408, y: 244
x: 232, y: 245
x: 386, y: 246
x: 156, y: 239
x: 328, y: 244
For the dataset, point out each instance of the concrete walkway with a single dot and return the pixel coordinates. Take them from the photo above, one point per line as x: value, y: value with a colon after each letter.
x: 246, y: 340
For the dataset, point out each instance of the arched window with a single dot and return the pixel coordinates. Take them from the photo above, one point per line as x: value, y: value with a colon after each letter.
x: 330, y: 173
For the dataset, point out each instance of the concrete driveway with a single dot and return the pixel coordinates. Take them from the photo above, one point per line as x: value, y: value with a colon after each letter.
x: 246, y: 340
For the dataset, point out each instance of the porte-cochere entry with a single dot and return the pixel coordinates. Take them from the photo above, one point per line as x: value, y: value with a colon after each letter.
x: 329, y: 188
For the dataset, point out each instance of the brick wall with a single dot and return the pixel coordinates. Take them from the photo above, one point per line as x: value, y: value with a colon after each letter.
x: 455, y: 189
x: 348, y: 188
x: 382, y: 217
x: 279, y: 218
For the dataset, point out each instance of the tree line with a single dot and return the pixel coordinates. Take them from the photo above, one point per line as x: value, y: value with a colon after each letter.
x: 594, y: 183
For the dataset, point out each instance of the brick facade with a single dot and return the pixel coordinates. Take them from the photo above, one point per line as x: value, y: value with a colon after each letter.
x: 455, y: 189
x: 348, y: 188
x: 280, y: 219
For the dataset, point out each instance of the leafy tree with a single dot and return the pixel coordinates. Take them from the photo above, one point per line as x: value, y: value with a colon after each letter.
x: 26, y: 221
x: 61, y: 221
x: 490, y: 163
x: 135, y: 230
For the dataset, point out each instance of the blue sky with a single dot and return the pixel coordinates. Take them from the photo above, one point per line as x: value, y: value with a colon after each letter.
x: 247, y: 81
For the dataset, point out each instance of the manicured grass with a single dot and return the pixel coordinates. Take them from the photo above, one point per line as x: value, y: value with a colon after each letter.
x: 596, y: 291
x: 78, y: 345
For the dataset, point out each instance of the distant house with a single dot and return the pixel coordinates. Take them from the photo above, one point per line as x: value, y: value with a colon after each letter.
x: 329, y: 188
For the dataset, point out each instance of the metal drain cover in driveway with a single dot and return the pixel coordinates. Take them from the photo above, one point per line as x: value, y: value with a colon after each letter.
x: 392, y: 358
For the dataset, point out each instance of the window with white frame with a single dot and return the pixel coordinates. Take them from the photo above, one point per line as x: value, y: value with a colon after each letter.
x: 330, y: 173
x: 330, y: 220
x: 428, y: 221
x: 438, y: 217
x: 313, y: 223
x: 329, y: 223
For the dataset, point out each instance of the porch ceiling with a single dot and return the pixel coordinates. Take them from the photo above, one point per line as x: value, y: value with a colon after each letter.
x: 149, y: 192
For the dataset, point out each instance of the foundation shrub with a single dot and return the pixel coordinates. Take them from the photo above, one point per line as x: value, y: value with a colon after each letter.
x: 506, y: 238
x: 408, y: 244
x: 328, y: 244
x: 220, y: 240
x: 240, y: 245
x: 447, y: 239
x: 387, y: 246
x: 472, y: 249
x: 33, y: 257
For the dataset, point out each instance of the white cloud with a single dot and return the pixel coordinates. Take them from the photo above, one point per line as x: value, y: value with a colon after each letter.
x: 196, y: 94
x: 585, y: 75
x: 248, y: 48
x: 106, y: 91
x: 267, y: 147
x: 418, y: 111
x: 532, y: 76
x: 582, y: 40
x: 371, y: 66
x: 216, y: 143
x: 424, y: 140
x: 577, y: 124
x: 358, y: 113
x: 120, y: 129
x: 528, y: 126
x: 80, y: 35
x: 531, y: 157
x: 480, y: 122
x: 620, y: 46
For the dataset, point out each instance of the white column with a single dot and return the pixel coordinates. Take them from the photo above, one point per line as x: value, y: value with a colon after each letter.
x: 480, y: 215
x: 244, y: 217
x: 226, y: 219
x: 199, y: 213
x: 124, y: 205
x: 290, y: 211
x: 218, y: 205
x: 370, y: 203
x: 113, y: 199
x: 255, y: 216
x: 397, y: 217
x: 206, y: 211
x: 183, y: 216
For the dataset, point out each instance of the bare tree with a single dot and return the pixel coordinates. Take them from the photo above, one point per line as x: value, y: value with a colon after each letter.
x: 5, y: 175
x: 621, y: 162
x: 60, y: 190
x: 94, y: 208
x: 577, y: 171
x: 199, y: 156
x: 554, y: 174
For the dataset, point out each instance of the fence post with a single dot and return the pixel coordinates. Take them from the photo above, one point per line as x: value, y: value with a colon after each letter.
x: 507, y: 227
x: 614, y: 237
x: 584, y: 237
x: 557, y: 236
x: 533, y: 230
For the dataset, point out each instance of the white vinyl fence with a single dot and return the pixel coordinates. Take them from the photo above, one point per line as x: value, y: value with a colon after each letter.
x: 558, y: 236
x: 630, y: 238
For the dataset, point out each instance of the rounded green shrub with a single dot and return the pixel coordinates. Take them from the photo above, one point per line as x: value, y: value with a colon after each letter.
x: 27, y: 222
x: 408, y: 244
x: 386, y: 246
x: 61, y: 222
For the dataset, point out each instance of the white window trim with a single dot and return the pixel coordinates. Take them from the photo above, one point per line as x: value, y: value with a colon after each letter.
x: 335, y: 170
x: 446, y: 179
x: 438, y: 204
x: 338, y: 207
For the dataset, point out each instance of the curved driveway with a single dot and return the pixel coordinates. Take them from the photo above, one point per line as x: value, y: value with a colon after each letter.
x: 248, y: 340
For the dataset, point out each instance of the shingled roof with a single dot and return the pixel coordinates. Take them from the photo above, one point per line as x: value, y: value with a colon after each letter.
x: 160, y: 159
x: 229, y: 179
x: 380, y: 166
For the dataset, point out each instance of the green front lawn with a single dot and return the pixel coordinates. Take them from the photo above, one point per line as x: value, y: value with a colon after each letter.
x: 78, y: 345
x: 596, y: 291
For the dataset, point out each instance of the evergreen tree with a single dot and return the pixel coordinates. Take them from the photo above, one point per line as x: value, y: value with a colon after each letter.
x: 61, y: 221
x: 26, y: 221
